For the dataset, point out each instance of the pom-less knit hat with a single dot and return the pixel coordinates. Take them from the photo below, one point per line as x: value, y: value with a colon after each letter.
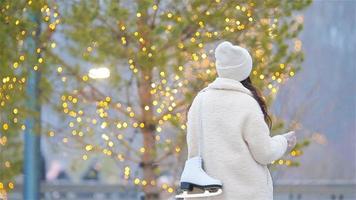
x: 232, y: 61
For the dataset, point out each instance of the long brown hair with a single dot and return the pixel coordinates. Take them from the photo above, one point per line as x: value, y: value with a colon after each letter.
x: 257, y: 95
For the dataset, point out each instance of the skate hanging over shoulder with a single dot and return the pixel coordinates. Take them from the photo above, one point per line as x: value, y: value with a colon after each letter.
x: 195, y: 182
x: 194, y: 177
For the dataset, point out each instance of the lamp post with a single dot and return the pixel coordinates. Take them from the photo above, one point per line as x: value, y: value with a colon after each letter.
x: 33, y: 120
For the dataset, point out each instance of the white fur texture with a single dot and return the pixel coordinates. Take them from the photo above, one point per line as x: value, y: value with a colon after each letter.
x: 237, y: 144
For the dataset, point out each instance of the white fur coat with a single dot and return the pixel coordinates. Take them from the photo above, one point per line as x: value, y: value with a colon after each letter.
x: 237, y: 145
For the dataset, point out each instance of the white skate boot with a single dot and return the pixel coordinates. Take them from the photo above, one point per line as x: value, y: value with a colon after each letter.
x: 194, y: 176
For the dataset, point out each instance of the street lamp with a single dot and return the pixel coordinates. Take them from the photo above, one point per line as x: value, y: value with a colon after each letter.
x: 99, y: 73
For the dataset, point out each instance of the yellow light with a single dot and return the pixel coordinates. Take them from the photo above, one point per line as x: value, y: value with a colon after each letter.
x: 124, y: 124
x: 155, y: 7
x: 99, y: 73
x: 170, y: 190
x: 119, y: 125
x: 5, y: 126
x: 136, y: 181
x: 120, y: 157
x: 15, y: 65
x: 144, y: 182
x: 164, y: 186
x: 88, y: 147
x: 85, y: 78
x: 85, y: 157
x: 293, y: 153
x: 51, y: 133
x: 177, y: 149
x: 71, y: 124
x: 142, y: 150
x: 11, y: 185
x: 104, y: 125
x: 53, y: 45
x: 52, y: 26
x: 138, y: 14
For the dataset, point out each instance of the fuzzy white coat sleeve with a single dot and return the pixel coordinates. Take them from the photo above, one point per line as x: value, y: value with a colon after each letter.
x: 193, y: 128
x: 262, y: 146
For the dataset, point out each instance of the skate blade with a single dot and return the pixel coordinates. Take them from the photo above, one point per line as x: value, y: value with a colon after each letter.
x: 185, y: 194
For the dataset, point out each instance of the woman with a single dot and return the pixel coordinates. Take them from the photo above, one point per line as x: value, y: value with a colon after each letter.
x: 236, y: 144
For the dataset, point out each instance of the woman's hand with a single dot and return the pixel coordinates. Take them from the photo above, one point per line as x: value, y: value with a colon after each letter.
x: 291, y: 139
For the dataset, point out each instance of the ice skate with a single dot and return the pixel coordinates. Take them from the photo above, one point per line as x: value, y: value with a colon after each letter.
x: 194, y: 177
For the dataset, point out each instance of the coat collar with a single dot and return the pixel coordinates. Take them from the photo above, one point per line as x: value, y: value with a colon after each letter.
x: 228, y: 84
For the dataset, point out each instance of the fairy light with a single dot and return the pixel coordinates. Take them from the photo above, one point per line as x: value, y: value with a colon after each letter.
x: 99, y: 73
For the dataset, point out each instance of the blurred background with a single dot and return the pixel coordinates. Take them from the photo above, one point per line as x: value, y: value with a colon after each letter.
x: 94, y: 94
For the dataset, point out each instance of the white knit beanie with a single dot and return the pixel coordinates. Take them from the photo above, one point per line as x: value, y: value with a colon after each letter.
x: 232, y: 61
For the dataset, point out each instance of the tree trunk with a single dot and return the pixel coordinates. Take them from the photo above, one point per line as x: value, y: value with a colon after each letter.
x: 148, y: 132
